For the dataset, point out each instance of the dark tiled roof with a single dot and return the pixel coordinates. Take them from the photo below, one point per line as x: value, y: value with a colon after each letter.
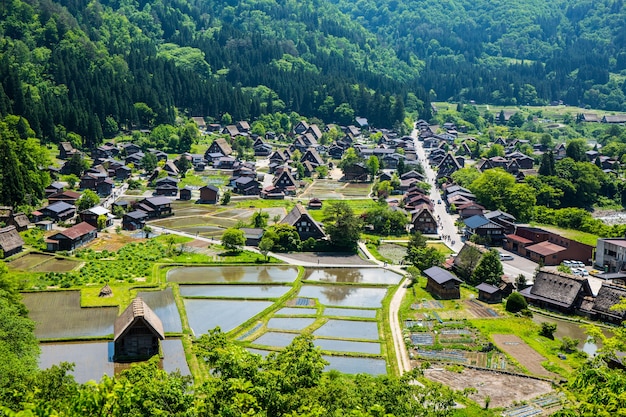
x: 488, y: 288
x: 440, y: 275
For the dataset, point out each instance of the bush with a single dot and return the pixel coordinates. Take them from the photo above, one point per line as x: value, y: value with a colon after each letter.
x: 547, y: 330
x: 516, y: 302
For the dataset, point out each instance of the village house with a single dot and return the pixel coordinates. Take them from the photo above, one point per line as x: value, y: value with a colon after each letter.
x: 285, y: 182
x: 247, y: 186
x: 59, y: 211
x: 611, y: 254
x: 305, y: 225
x: 423, y: 220
x: 557, y: 291
x: 66, y: 150
x: 442, y: 284
x: 155, y: 207
x: 55, y: 187
x: 485, y: 228
x: 137, y: 332
x: 356, y: 172
x: 219, y: 145
x: 10, y: 241
x: 91, y: 216
x: 134, y: 220
x: 68, y: 196
x: 72, y: 238
x: 209, y: 194
x: 608, y: 296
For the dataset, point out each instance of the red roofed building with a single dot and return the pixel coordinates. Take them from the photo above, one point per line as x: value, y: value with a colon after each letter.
x: 72, y: 238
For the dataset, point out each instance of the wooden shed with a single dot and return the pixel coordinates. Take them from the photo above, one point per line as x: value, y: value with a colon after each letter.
x: 489, y: 293
x: 10, y: 241
x: 137, y: 333
x: 442, y: 284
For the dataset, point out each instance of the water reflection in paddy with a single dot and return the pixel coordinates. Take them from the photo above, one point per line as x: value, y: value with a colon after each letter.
x: 350, y: 312
x: 345, y: 295
x: 164, y: 306
x: 573, y: 330
x: 353, y: 275
x: 227, y: 314
x: 288, y: 323
x: 294, y: 311
x: 94, y: 359
x: 275, y: 339
x: 349, y: 329
x: 348, y: 346
x: 217, y: 274
x: 58, y: 315
x: 234, y: 291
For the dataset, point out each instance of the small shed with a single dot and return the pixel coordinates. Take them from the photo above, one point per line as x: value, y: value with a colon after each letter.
x: 442, y: 283
x: 137, y: 332
x: 489, y: 293
x: 185, y: 193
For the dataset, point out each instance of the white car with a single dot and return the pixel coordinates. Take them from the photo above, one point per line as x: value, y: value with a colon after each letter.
x: 506, y: 257
x: 569, y: 264
x: 578, y: 264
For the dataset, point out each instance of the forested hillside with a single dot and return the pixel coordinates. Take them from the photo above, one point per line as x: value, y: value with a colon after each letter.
x: 92, y: 67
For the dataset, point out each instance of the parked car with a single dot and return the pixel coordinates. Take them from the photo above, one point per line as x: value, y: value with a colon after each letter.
x: 578, y: 264
x: 506, y: 257
x: 569, y: 264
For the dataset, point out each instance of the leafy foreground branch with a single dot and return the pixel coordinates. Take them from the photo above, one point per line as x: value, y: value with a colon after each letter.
x: 288, y: 383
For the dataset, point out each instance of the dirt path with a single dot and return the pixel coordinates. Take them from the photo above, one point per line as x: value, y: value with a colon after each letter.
x: 524, y: 354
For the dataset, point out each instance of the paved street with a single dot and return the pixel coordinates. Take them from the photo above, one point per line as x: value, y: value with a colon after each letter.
x: 512, y: 268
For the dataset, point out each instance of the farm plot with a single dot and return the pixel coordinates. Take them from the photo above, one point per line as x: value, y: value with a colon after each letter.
x: 524, y: 354
x: 502, y: 389
x: 479, y: 310
x: 29, y: 261
x: 395, y: 253
x: 56, y: 265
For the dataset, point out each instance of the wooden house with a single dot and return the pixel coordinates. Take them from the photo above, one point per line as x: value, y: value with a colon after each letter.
x: 489, y: 293
x: 314, y: 204
x: 72, y: 238
x: 155, y: 207
x: 67, y: 196
x: 286, y: 182
x: 313, y: 157
x: 134, y: 220
x: 209, y: 194
x: 448, y: 165
x: 356, y: 172
x: 305, y: 225
x: 247, y: 186
x: 137, y: 332
x: 91, y: 216
x: 442, y: 284
x: 10, y: 241
x: 423, y: 220
x: 219, y: 145
x: 557, y: 291
x: 66, y: 150
x: 185, y: 193
x: 608, y: 296
x: 59, y: 211
x: 55, y: 187
x: 481, y: 226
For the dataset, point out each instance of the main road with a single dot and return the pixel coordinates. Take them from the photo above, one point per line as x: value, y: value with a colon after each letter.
x: 447, y: 220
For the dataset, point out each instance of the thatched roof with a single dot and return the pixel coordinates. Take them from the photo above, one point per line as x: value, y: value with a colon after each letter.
x: 557, y: 288
x: 607, y: 297
x: 10, y: 239
x: 138, y: 311
x: 296, y: 214
x: 106, y: 291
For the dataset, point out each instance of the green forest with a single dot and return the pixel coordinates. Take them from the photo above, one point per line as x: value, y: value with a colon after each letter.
x: 95, y: 67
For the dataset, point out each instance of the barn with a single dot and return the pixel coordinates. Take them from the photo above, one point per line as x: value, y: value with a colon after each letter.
x: 137, y: 332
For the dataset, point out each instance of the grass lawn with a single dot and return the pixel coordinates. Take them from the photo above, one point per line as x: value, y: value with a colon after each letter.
x: 582, y: 237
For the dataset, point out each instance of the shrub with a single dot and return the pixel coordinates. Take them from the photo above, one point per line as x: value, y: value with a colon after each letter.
x: 547, y: 330
x: 516, y: 302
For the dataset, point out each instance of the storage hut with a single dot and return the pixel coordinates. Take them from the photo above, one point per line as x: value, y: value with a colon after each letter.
x: 442, y: 284
x: 489, y: 293
x: 10, y: 241
x: 137, y: 333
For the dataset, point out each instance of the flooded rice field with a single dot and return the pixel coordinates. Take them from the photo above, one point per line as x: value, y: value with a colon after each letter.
x: 234, y: 291
x: 58, y: 315
x: 227, y: 314
x: 345, y: 295
x: 226, y: 274
x: 92, y: 360
x: 295, y: 311
x: 348, y: 346
x: 275, y: 339
x: 39, y: 262
x: 164, y: 306
x: 350, y: 312
x: 288, y: 323
x: 347, y: 329
x: 353, y: 275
